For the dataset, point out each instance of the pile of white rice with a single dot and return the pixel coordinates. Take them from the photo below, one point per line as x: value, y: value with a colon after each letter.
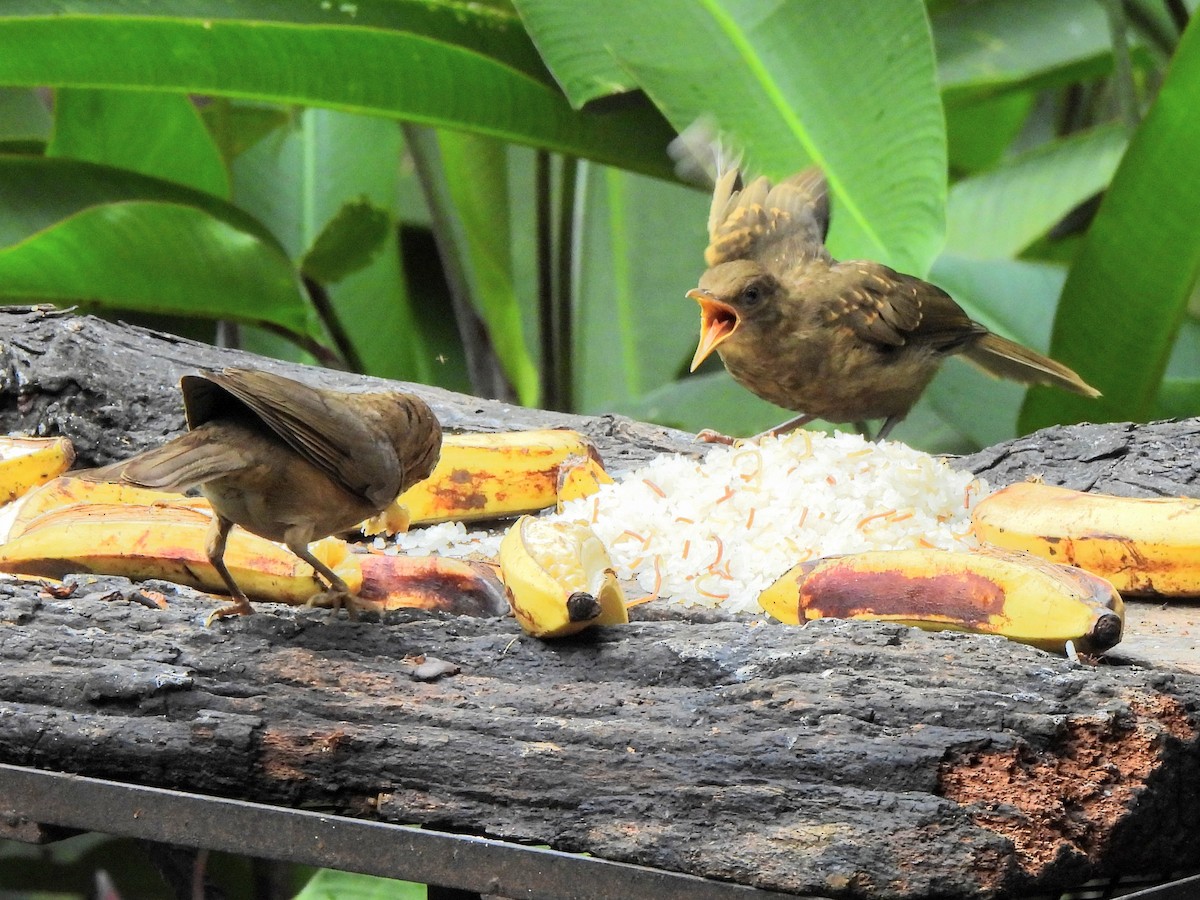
x: 716, y: 533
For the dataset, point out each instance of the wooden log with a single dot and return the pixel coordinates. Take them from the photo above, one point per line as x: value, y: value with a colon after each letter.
x: 842, y: 759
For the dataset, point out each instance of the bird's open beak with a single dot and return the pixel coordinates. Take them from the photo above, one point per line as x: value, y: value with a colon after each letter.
x: 718, y: 321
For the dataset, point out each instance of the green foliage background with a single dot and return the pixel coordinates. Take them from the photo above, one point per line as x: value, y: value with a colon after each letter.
x: 478, y: 195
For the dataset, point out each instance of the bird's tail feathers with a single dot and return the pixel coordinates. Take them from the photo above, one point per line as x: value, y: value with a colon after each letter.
x: 180, y: 465
x: 1007, y: 359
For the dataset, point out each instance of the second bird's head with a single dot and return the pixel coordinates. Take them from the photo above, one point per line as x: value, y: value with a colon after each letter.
x: 736, y: 296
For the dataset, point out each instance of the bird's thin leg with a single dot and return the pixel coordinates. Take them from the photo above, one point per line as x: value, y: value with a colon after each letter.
x: 889, y: 423
x: 218, y: 534
x: 788, y: 426
x: 296, y: 539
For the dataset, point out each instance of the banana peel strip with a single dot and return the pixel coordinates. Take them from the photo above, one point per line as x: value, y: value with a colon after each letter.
x: 167, y: 541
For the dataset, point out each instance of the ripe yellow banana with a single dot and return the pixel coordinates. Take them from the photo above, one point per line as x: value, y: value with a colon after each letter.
x: 559, y: 578
x: 1143, y: 546
x: 165, y: 541
x: 27, y: 462
x: 1016, y: 595
x: 486, y: 476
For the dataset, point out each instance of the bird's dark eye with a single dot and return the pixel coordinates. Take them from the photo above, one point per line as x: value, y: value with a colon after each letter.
x: 751, y: 295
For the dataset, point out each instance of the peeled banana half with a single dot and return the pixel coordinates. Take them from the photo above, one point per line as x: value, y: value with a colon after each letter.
x: 1015, y: 595
x: 1143, y: 546
x: 559, y: 578
x: 168, y: 542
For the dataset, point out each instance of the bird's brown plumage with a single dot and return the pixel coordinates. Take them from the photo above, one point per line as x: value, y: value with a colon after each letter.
x: 842, y: 341
x: 287, y: 461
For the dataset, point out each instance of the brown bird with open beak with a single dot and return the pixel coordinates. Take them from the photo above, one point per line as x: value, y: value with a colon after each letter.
x: 841, y: 341
x: 286, y: 461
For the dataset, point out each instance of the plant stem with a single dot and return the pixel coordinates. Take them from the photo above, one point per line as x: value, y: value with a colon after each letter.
x: 547, y: 320
x: 314, y: 348
x: 564, y: 299
x: 1179, y: 13
x: 1123, y: 85
x: 322, y: 303
x: 483, y: 367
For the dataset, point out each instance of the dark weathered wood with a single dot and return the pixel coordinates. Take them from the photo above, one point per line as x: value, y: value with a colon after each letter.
x: 1161, y: 459
x: 842, y: 759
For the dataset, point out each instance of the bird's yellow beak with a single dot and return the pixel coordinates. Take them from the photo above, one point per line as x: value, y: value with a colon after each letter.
x: 718, y: 321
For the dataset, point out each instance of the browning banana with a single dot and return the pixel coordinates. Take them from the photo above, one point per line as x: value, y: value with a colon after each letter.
x: 487, y: 476
x: 1015, y: 595
x: 168, y: 542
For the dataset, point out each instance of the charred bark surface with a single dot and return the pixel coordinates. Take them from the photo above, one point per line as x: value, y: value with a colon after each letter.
x: 842, y: 759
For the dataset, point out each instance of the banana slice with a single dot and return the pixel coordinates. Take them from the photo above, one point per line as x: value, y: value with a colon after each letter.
x: 1016, y: 595
x: 27, y: 462
x: 559, y: 578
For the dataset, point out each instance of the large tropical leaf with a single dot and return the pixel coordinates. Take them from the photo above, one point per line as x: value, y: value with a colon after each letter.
x: 301, y: 179
x: 1128, y: 288
x: 1003, y: 45
x: 476, y: 180
x: 439, y: 62
x: 157, y: 134
x: 792, y: 84
x: 1001, y: 212
x: 77, y: 233
x: 640, y: 251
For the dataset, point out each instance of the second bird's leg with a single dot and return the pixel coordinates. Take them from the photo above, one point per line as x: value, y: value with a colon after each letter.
x: 788, y: 426
x: 218, y: 534
x: 886, y: 428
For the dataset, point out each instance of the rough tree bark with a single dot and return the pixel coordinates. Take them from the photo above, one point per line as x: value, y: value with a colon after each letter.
x: 843, y: 759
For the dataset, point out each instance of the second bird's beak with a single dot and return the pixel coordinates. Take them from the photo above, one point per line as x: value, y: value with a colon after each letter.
x: 718, y: 321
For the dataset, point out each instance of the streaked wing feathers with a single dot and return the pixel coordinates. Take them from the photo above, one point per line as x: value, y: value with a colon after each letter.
x: 889, y: 309
x: 323, y: 432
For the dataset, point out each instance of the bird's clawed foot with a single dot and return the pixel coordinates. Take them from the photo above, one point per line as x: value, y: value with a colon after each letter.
x: 239, y: 607
x: 709, y: 436
x: 336, y: 598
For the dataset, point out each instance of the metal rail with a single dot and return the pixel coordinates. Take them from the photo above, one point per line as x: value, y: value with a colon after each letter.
x: 30, y: 798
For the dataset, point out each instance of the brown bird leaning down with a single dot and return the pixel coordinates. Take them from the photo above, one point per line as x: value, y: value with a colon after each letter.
x: 841, y: 341
x: 286, y: 461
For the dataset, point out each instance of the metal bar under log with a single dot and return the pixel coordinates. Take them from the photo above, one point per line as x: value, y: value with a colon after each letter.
x: 33, y: 797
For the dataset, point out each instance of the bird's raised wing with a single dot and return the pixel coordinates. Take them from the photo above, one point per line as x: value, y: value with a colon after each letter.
x: 889, y: 309
x: 325, y: 428
x: 774, y: 224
